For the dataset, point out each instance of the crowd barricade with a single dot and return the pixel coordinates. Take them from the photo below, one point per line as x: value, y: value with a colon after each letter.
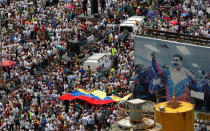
x: 200, y: 40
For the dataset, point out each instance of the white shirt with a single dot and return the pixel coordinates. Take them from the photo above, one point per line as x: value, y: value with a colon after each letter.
x: 34, y: 101
x: 22, y: 123
x: 11, y: 119
x: 84, y: 120
x: 200, y: 13
x: 27, y: 125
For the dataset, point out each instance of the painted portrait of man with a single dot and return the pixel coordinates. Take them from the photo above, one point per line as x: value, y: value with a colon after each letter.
x: 177, y: 80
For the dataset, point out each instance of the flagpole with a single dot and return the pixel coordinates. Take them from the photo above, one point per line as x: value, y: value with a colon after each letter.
x: 1, y: 64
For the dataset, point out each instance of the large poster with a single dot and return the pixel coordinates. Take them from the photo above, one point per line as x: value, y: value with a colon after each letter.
x: 172, y: 68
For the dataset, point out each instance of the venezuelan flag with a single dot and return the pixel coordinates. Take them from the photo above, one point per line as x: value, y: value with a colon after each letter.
x: 165, y: 16
x: 93, y: 97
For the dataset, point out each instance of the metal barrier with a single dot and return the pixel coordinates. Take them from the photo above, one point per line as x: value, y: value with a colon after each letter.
x: 203, y: 41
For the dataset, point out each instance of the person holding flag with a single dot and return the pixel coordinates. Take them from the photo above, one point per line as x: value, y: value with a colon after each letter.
x: 11, y: 104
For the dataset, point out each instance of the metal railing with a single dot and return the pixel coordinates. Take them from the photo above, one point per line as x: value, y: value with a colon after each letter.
x: 198, y: 40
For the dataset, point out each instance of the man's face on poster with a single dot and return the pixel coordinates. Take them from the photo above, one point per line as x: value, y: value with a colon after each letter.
x: 176, y: 61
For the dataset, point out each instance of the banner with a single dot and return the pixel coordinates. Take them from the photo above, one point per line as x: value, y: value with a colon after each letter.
x: 169, y: 68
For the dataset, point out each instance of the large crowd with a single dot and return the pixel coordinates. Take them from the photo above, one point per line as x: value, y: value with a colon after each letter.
x: 35, y: 34
x: 179, y: 16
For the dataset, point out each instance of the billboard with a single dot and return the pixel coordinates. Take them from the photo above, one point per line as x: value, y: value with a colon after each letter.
x: 172, y: 68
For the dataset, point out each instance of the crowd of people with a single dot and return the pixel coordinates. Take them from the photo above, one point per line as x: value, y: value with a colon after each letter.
x: 179, y: 16
x: 36, y: 34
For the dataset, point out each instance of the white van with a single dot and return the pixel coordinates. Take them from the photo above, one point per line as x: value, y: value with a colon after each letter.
x: 130, y: 23
x: 98, y: 59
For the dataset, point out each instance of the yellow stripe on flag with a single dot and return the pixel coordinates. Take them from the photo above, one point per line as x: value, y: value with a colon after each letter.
x: 102, y: 94
x: 164, y: 14
x: 115, y: 98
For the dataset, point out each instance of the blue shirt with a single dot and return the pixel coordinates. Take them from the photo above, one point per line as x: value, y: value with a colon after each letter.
x: 82, y: 71
x: 44, y: 122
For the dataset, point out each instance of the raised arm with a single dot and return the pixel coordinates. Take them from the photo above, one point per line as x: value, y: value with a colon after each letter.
x: 156, y: 66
